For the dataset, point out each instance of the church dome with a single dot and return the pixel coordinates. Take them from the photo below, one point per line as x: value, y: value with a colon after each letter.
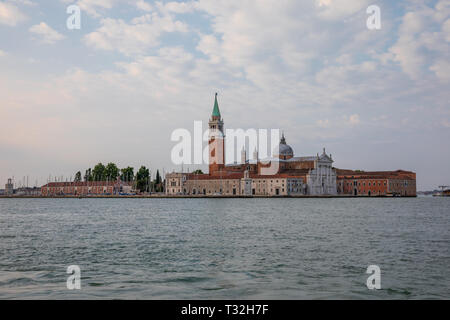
x: 286, y: 150
x: 283, y: 149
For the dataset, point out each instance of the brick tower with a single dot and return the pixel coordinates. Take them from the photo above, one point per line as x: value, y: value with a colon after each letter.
x: 216, y: 141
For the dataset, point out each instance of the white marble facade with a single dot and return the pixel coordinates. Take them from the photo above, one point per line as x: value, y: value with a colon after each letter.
x: 322, y: 179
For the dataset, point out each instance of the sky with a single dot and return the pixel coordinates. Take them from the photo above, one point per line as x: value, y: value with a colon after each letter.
x: 115, y: 89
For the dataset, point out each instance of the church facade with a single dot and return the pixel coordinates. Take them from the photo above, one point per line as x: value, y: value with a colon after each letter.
x: 311, y: 175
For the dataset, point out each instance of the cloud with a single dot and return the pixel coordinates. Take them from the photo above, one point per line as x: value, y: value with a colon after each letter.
x: 25, y: 2
x: 10, y: 15
x: 442, y: 70
x: 145, y: 6
x: 338, y: 9
x: 134, y: 37
x: 423, y: 40
x: 210, y: 46
x: 94, y: 7
x: 177, y: 7
x: 323, y: 123
x: 46, y: 33
x: 353, y: 119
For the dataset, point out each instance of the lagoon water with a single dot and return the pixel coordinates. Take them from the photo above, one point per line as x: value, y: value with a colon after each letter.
x: 225, y: 248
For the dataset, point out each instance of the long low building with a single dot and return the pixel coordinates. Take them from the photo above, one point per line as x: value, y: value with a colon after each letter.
x: 234, y: 184
x: 86, y: 188
x: 349, y: 183
x: 376, y: 183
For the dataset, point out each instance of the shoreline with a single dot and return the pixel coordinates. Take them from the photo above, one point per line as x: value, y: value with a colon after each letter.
x: 199, y: 197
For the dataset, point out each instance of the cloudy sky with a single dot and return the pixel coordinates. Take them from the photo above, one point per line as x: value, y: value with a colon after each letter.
x: 115, y: 90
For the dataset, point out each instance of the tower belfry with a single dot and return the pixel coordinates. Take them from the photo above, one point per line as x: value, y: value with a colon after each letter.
x: 216, y: 122
x: 216, y: 141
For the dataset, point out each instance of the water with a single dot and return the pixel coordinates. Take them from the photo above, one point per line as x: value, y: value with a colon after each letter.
x: 225, y: 248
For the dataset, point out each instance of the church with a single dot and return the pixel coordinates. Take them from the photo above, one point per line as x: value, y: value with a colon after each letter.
x: 310, y: 175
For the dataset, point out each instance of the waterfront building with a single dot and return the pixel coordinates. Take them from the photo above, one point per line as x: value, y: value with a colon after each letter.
x: 234, y: 184
x: 376, y: 183
x: 294, y: 176
x: 9, y: 187
x: 312, y: 175
x: 28, y: 191
x: 86, y: 188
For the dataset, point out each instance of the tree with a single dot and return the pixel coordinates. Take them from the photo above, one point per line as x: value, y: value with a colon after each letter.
x: 88, y: 175
x: 99, y: 172
x: 142, y: 178
x: 111, y: 171
x: 158, y: 177
x: 77, y: 177
x: 127, y: 174
x: 198, y: 171
x: 157, y: 183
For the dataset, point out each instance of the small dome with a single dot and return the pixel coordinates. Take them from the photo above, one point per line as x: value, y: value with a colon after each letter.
x: 283, y: 149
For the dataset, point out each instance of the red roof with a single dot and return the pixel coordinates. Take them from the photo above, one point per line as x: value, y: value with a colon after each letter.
x: 83, y: 184
x: 398, y: 174
x: 227, y: 176
x: 216, y: 176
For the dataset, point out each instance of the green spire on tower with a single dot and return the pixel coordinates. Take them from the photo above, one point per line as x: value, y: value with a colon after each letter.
x: 216, y: 112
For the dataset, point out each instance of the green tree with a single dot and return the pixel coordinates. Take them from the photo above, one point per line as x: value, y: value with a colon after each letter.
x: 142, y: 179
x: 111, y: 171
x: 77, y: 177
x: 198, y: 171
x: 88, y: 175
x: 99, y: 172
x: 157, y: 183
x: 158, y: 177
x: 127, y: 174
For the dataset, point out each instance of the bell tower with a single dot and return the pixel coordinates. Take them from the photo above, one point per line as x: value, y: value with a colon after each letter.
x: 216, y: 141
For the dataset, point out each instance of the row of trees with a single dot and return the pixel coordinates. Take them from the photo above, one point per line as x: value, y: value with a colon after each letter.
x: 141, y: 180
